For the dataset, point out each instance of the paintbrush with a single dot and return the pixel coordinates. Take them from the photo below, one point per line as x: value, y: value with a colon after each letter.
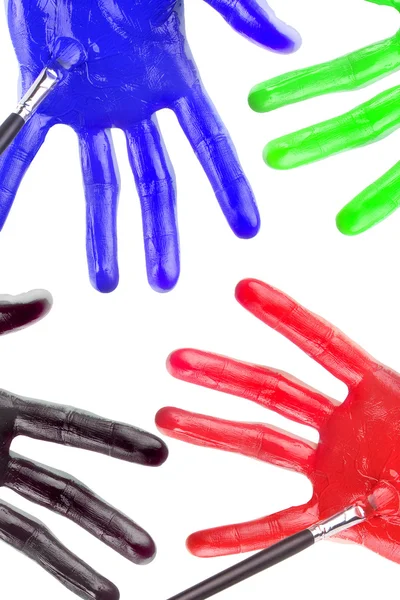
x: 384, y: 500
x: 69, y: 54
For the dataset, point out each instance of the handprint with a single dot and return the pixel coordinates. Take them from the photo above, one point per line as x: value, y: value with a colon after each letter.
x: 130, y: 60
x: 358, y: 450
x: 367, y: 123
x: 59, y: 491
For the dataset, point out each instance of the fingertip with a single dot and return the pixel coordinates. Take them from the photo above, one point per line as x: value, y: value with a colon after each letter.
x: 239, y: 206
x: 176, y: 423
x: 40, y: 301
x: 102, y: 257
x: 248, y: 289
x: 106, y: 590
x: 199, y: 544
x: 258, y: 99
x: 260, y: 24
x: 195, y: 546
x: 241, y: 290
x: 158, y: 453
x: 283, y: 39
x: 148, y: 550
x: 293, y: 41
x: 129, y: 539
x: 17, y: 312
x: 139, y: 447
x: 137, y: 545
x: 277, y: 155
x: 181, y: 363
x: 105, y: 281
x: 40, y: 304
x: 246, y: 223
x: 163, y: 277
x: 348, y: 223
x: 166, y: 419
x: 264, y: 301
x: 354, y: 219
x: 246, y: 228
x: 169, y: 363
x: 268, y: 96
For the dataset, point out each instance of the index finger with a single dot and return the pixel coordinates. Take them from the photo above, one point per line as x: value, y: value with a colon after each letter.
x: 79, y: 429
x: 316, y: 337
x: 346, y: 73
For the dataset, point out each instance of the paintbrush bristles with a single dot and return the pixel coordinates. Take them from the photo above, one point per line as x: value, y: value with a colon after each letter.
x: 384, y: 500
x: 69, y: 53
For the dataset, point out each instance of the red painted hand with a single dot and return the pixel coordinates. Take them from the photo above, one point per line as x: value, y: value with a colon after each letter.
x: 359, y: 444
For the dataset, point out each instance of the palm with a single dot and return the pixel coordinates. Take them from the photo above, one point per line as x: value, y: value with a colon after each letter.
x: 112, y: 88
x: 358, y: 448
x: 136, y: 61
x: 365, y: 452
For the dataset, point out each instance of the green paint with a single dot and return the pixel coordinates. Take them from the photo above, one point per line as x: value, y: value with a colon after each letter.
x: 393, y: 3
x: 347, y: 73
x: 365, y: 124
x: 373, y: 205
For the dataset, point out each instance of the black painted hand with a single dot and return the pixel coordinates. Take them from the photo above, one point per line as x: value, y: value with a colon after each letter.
x: 58, y: 491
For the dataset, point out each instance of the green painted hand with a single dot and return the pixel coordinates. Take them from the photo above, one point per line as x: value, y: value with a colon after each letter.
x: 367, y: 123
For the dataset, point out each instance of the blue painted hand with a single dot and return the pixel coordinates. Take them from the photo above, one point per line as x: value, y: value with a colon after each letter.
x: 135, y: 61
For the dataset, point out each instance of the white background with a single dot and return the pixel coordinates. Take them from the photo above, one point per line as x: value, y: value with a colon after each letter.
x: 107, y: 353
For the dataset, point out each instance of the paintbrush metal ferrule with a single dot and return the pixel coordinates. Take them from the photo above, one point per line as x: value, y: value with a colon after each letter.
x: 340, y: 522
x: 39, y: 90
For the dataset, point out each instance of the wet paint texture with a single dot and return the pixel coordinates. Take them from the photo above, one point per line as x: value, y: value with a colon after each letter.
x: 358, y: 451
x: 59, y: 491
x: 133, y: 61
x: 367, y: 123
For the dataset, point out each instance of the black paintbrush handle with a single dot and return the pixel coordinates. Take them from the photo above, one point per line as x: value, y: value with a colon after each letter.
x: 9, y: 130
x: 251, y: 566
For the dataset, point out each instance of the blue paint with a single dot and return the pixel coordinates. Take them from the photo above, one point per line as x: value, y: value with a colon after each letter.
x: 132, y: 60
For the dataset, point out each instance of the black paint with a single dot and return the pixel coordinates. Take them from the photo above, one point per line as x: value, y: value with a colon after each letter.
x: 59, y: 491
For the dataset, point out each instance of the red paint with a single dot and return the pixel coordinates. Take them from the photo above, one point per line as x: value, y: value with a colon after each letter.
x: 358, y: 456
